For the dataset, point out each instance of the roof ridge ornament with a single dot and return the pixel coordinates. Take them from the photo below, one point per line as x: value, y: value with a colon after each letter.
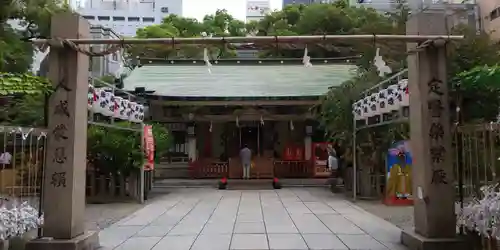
x: 381, y: 65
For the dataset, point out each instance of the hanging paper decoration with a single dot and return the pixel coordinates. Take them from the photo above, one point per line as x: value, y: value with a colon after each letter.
x: 132, y: 111
x: 18, y: 219
x: 373, y: 105
x: 109, y: 102
x: 291, y: 125
x: 357, y: 110
x: 140, y: 113
x: 365, y: 108
x: 124, y: 109
x: 99, y: 104
x: 382, y: 102
x: 237, y: 122
x: 392, y: 100
x: 403, y: 94
x: 210, y: 128
x: 207, y: 60
x: 379, y: 62
x: 261, y: 121
x: 118, y: 107
x: 306, y: 59
x: 90, y: 96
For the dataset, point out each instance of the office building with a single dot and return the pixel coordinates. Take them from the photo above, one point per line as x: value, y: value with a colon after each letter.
x: 126, y: 16
x: 288, y: 2
x: 257, y: 9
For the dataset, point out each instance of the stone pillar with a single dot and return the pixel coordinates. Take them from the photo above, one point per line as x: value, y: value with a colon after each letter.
x: 308, y: 142
x: 432, y: 170
x: 65, y: 166
x: 191, y: 141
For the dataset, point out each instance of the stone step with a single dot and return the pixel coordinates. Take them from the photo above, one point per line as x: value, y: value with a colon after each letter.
x: 170, y: 183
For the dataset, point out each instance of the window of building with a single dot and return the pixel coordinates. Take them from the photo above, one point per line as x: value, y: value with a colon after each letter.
x: 134, y: 19
x: 103, y: 18
x: 118, y: 18
x: 89, y: 17
x: 115, y: 57
x: 148, y: 19
x: 164, y: 9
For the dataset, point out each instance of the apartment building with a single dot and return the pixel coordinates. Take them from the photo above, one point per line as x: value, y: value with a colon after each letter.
x: 490, y: 17
x: 126, y: 16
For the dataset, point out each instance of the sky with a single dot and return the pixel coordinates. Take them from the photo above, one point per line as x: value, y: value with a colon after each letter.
x: 237, y: 8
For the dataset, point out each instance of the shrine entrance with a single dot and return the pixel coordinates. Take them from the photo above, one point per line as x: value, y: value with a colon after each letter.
x: 434, y: 209
x: 251, y: 137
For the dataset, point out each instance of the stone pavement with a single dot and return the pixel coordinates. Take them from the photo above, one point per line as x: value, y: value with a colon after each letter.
x: 291, y: 219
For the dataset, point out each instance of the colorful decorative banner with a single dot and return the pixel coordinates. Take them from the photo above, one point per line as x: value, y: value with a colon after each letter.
x: 149, y: 148
x: 399, y: 164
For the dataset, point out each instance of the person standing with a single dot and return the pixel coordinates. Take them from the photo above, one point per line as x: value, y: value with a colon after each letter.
x: 246, y: 161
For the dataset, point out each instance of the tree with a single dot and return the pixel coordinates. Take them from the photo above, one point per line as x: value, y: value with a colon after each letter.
x: 23, y: 93
x: 219, y: 24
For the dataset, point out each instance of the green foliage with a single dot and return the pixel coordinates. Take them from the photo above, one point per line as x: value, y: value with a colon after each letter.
x: 33, y: 17
x: 23, y: 110
x: 163, y: 140
x: 11, y: 84
x: 113, y: 150
x: 478, y: 91
x: 176, y: 26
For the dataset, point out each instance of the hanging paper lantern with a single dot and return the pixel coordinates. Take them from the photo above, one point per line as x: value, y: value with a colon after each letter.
x: 99, y: 104
x: 392, y: 100
x: 373, y: 104
x: 118, y: 107
x: 357, y: 110
x: 90, y: 97
x: 365, y: 108
x: 141, y: 113
x: 124, y: 110
x: 109, y: 102
x: 382, y: 102
x: 132, y: 111
x: 138, y: 113
x: 403, y: 94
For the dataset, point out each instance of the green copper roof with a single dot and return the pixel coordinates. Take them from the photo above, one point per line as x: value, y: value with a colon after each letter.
x: 238, y: 81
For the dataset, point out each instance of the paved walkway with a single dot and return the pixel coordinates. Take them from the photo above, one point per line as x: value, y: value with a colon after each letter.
x: 292, y: 219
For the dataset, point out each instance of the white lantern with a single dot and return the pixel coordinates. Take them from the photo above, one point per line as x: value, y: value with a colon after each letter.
x: 403, y: 94
x: 392, y: 100
x: 99, y: 104
x: 132, y: 111
x: 125, y: 109
x: 365, y: 108
x: 90, y: 97
x: 118, y: 107
x: 382, y: 102
x: 109, y: 102
x: 357, y: 110
x: 140, y: 113
x: 373, y: 103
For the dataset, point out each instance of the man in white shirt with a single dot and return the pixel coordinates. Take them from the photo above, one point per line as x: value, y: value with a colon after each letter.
x: 5, y: 158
